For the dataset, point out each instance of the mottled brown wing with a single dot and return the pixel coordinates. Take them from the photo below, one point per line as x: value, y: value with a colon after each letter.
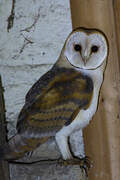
x: 51, y: 106
x: 41, y: 84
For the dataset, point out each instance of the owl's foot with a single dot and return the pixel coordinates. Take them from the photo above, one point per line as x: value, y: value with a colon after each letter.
x: 84, y: 163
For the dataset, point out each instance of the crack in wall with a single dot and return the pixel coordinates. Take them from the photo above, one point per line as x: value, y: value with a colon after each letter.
x: 11, y: 17
x: 24, y: 66
x: 34, y: 23
x: 26, y: 42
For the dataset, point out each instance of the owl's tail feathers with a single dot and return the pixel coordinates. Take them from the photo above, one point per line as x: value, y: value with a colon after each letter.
x: 18, y: 145
x: 11, y: 150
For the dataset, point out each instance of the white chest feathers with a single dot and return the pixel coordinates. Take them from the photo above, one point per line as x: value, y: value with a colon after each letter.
x: 84, y: 116
x: 82, y: 119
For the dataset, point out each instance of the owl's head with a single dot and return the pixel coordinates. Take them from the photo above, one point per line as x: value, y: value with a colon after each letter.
x: 86, y: 48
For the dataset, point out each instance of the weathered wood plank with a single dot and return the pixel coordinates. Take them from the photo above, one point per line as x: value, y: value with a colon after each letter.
x: 4, y: 170
x: 116, y: 8
x: 102, y: 136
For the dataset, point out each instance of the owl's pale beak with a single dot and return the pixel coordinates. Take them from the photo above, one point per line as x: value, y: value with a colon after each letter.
x: 85, y: 61
x: 85, y: 57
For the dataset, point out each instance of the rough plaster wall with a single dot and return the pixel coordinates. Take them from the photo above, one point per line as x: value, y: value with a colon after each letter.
x: 27, y: 51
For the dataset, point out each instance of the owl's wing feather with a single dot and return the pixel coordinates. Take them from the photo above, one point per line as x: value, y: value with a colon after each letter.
x: 39, y: 86
x: 55, y: 103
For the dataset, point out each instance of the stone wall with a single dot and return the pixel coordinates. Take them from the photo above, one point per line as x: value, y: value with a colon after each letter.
x: 27, y: 51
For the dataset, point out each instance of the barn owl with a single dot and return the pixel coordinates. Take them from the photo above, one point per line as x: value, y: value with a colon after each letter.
x: 64, y: 99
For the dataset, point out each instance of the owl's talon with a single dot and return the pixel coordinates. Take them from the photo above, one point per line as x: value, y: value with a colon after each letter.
x: 84, y: 163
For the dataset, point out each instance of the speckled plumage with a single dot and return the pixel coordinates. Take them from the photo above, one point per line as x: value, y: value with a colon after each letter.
x: 53, y: 101
x: 62, y: 100
x: 55, y: 98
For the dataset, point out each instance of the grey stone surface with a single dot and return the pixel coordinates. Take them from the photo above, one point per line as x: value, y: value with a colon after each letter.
x: 27, y: 51
x: 44, y: 170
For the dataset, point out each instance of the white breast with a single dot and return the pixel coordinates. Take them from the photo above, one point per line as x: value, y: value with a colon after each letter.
x: 84, y: 116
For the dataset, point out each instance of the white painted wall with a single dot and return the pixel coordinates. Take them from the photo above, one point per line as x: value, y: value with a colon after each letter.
x: 21, y: 64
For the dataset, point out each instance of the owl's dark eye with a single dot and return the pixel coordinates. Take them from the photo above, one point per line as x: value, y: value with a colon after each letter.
x: 77, y: 47
x: 94, y: 49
